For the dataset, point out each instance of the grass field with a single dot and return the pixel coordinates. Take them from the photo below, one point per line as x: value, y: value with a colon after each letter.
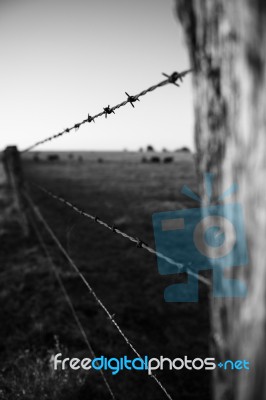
x: 125, y: 192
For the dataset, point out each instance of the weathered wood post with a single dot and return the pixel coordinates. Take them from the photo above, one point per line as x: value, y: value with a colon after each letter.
x: 13, y: 168
x: 227, y: 42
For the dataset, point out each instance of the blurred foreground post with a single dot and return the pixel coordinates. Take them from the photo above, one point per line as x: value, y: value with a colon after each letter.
x: 15, y: 180
x: 226, y: 42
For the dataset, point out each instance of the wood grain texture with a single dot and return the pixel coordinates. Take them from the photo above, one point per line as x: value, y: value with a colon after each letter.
x: 227, y: 42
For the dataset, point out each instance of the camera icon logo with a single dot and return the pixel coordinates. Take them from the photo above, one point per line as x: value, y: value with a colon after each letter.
x: 211, y: 237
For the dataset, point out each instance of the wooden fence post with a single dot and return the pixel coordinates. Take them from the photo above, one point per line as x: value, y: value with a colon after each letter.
x: 226, y: 42
x: 15, y: 180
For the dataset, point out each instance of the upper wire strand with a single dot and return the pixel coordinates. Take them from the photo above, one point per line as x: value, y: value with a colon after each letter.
x: 171, y: 79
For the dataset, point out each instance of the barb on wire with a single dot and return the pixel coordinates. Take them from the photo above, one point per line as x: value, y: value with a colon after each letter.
x: 139, y: 243
x: 69, y: 302
x: 90, y: 119
x: 108, y: 110
x: 132, y: 99
x: 92, y: 292
x: 173, y: 78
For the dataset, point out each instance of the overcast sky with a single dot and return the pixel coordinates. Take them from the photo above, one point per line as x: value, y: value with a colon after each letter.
x: 61, y: 59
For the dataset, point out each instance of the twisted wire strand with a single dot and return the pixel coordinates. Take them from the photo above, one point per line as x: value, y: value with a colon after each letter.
x: 173, y: 78
x: 139, y: 243
x: 69, y: 302
x: 74, y: 266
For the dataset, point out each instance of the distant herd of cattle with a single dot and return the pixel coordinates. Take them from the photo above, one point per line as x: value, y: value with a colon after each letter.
x: 156, y: 160
x: 152, y: 159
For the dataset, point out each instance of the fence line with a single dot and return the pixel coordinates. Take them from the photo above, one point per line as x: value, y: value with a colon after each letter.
x: 139, y: 243
x: 74, y: 266
x: 173, y: 78
x: 69, y: 302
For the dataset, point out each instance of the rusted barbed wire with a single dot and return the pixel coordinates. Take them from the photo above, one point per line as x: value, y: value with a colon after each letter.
x: 69, y: 302
x: 173, y: 78
x: 40, y: 217
x: 139, y: 243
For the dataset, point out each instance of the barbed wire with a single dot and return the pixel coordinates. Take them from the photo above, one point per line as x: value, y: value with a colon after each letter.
x: 92, y: 292
x: 139, y: 243
x: 69, y: 302
x: 173, y: 78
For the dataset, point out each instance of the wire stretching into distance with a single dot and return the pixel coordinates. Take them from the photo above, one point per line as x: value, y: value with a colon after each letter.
x: 139, y: 243
x: 74, y: 266
x: 173, y: 78
x: 69, y: 302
